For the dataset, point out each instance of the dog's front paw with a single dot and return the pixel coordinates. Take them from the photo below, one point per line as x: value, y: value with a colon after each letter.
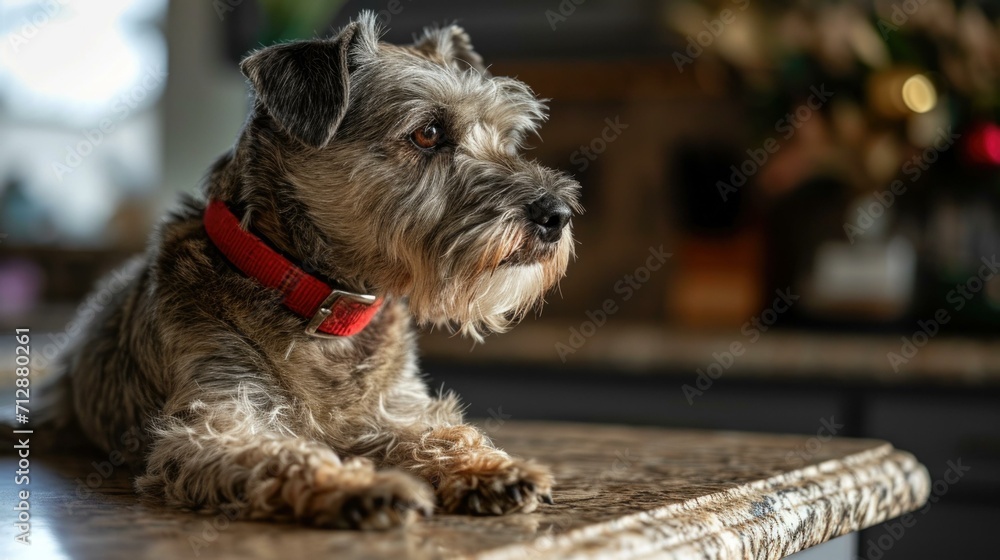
x: 388, y: 499
x: 491, y: 485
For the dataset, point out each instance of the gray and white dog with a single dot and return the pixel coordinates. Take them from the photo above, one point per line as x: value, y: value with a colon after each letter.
x: 393, y: 175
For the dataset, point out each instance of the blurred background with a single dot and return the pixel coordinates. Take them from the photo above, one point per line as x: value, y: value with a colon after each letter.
x: 793, y: 208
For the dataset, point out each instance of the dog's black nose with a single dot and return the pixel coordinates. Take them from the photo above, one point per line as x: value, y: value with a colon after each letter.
x: 550, y: 215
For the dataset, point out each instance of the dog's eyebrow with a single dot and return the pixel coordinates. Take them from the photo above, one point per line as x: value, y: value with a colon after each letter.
x: 506, y: 105
x: 415, y: 112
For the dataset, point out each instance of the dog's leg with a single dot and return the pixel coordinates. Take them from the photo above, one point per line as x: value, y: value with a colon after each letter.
x: 469, y: 474
x: 268, y: 476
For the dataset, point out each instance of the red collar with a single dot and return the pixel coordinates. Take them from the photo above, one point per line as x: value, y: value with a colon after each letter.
x: 331, y: 312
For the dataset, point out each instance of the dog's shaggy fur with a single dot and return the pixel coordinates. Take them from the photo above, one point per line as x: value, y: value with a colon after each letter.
x: 237, y: 406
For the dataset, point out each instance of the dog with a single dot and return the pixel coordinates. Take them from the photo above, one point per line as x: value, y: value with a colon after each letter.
x: 265, y: 346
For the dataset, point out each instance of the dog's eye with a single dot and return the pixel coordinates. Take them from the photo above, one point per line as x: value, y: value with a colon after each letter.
x: 428, y: 137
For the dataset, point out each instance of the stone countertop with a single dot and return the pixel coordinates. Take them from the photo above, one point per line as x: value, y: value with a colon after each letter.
x: 622, y: 492
x: 777, y: 354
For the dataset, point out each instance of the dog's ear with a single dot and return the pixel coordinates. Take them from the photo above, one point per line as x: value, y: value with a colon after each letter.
x: 304, y: 85
x: 453, y: 46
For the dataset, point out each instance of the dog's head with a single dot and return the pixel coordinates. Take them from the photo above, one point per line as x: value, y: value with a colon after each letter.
x: 407, y: 163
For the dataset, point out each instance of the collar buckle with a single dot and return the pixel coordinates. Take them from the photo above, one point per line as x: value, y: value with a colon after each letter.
x: 326, y: 309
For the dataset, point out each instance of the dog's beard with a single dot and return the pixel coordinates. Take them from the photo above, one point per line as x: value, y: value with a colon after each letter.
x: 491, y: 290
x: 500, y: 298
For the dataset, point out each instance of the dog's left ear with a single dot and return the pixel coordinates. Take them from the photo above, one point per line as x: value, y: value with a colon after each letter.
x: 453, y: 46
x: 304, y: 85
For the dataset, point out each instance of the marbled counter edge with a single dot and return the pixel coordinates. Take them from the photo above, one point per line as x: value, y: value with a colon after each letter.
x: 767, y: 520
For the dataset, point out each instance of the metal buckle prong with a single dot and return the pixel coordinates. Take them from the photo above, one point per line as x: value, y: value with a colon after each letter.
x: 326, y: 309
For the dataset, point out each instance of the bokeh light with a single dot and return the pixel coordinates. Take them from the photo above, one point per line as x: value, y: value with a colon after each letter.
x: 919, y: 94
x: 984, y: 144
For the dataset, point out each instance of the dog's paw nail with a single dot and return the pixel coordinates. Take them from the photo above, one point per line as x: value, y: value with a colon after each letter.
x: 515, y: 493
x: 547, y: 498
x: 353, y: 502
x: 475, y: 506
x: 354, y: 515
